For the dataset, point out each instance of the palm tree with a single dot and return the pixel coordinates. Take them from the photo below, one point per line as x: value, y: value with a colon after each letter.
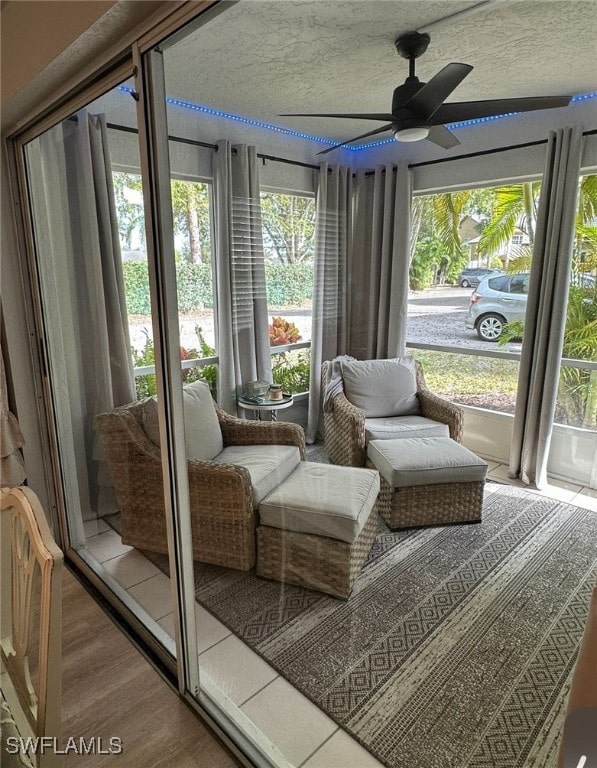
x: 578, y: 388
x: 585, y: 244
x: 435, y: 237
x: 515, y: 207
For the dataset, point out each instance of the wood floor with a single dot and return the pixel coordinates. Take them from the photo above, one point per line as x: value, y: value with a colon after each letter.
x: 109, y: 689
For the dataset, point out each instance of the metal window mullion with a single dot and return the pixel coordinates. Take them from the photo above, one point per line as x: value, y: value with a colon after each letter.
x: 155, y: 171
x: 590, y: 365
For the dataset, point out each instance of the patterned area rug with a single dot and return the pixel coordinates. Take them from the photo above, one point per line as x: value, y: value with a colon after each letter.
x: 456, y: 647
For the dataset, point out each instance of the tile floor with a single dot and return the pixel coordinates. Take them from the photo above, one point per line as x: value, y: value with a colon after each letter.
x: 303, y: 733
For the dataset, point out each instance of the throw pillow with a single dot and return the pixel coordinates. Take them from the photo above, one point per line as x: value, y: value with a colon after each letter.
x: 203, y: 436
x: 382, y: 387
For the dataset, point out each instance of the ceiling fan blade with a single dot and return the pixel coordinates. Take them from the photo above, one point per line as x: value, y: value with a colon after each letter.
x: 370, y: 116
x: 471, y: 110
x: 356, y: 138
x: 433, y: 94
x: 442, y: 137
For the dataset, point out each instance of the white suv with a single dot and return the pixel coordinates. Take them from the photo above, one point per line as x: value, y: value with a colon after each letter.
x: 498, y: 299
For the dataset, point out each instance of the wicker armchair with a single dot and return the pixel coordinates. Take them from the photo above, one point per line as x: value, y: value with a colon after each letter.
x: 344, y: 423
x: 222, y: 502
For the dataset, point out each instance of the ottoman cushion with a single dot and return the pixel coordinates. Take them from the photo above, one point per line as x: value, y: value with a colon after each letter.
x: 394, y: 427
x: 410, y: 462
x: 322, y: 499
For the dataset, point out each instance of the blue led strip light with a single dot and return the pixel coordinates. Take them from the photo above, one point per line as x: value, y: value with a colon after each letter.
x: 309, y: 137
x: 237, y: 118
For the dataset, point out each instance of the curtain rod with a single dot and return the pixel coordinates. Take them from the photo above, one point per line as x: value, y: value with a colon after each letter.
x: 207, y: 145
x: 489, y: 151
x: 481, y: 153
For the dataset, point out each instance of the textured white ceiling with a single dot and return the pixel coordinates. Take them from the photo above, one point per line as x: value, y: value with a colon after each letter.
x: 260, y: 58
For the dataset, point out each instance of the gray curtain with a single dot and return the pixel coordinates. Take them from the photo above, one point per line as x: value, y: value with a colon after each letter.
x: 12, y: 466
x: 104, y: 351
x: 546, y: 309
x: 84, y: 301
x: 330, y: 312
x: 243, y: 339
x: 379, y: 262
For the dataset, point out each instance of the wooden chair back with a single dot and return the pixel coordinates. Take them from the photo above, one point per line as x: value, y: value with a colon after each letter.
x: 31, y: 590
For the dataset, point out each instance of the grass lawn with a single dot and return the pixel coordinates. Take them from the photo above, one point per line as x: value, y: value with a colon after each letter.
x: 482, y: 381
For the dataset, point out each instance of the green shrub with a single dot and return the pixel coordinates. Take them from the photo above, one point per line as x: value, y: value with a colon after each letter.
x: 136, y: 287
x: 287, y: 285
x: 194, y: 283
x: 292, y: 370
x: 146, y: 385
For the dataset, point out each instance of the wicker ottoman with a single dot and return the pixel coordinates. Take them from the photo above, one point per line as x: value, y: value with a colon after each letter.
x: 427, y: 481
x: 317, y: 527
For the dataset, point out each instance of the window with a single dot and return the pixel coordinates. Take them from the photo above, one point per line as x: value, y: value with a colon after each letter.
x: 498, y: 283
x: 519, y: 284
x: 438, y: 314
x: 577, y: 393
x: 289, y: 247
x: 466, y: 368
x: 191, y: 207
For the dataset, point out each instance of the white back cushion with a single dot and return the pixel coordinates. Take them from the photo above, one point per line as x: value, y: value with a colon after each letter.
x: 382, y: 387
x: 203, y: 436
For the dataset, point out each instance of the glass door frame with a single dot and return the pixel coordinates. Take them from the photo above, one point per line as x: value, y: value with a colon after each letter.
x: 155, y: 170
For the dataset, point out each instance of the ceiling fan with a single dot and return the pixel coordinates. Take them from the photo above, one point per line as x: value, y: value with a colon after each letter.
x: 418, y: 109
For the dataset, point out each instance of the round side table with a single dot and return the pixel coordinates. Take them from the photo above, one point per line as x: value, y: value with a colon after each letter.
x: 260, y: 404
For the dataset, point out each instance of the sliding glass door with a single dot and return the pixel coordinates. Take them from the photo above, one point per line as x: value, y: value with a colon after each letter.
x: 122, y: 252
x: 93, y: 259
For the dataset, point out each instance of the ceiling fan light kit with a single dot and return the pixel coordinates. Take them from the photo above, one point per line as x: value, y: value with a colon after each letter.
x: 419, y: 110
x: 412, y: 134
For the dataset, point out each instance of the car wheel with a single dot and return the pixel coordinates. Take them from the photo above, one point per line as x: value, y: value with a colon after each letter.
x: 489, y: 327
x: 465, y: 284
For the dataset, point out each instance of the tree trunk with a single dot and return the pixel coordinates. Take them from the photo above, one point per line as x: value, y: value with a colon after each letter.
x: 195, y: 255
x: 590, y: 414
x: 529, y: 209
x: 415, y: 225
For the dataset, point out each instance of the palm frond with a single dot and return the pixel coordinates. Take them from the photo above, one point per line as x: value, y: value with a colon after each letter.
x: 587, y: 201
x: 507, y: 210
x: 522, y: 261
x: 447, y: 212
x: 586, y: 238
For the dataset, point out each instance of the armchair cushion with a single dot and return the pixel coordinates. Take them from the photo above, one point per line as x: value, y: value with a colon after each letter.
x: 203, y: 435
x: 404, y: 426
x: 268, y: 465
x: 382, y: 387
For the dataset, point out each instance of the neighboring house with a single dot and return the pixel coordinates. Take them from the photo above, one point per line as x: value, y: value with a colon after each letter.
x: 469, y: 231
x: 517, y: 246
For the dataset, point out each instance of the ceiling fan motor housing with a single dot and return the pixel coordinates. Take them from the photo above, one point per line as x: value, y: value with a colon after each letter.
x: 403, y: 93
